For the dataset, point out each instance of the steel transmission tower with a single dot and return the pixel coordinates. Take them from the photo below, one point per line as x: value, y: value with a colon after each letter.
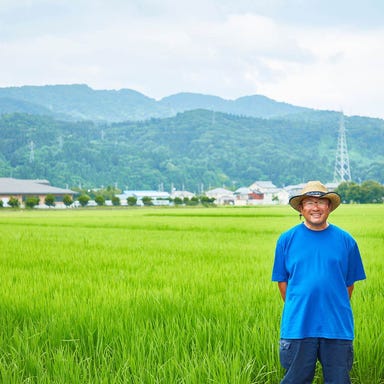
x: 342, y: 170
x: 31, y: 152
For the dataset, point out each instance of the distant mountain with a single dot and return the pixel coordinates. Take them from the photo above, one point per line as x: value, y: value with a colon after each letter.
x: 9, y: 105
x: 253, y: 106
x: 72, y: 134
x: 80, y: 102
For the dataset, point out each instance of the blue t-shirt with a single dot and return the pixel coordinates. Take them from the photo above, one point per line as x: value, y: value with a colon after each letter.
x: 318, y: 266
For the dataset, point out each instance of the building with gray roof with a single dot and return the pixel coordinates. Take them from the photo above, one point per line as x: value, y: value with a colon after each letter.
x: 22, y: 189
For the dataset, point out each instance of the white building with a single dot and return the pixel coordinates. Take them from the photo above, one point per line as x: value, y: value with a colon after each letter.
x: 294, y: 190
x: 272, y: 194
x: 247, y: 196
x: 157, y: 198
x: 222, y: 196
x: 182, y: 194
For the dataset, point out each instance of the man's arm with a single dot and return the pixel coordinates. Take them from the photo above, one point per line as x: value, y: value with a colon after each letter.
x: 283, y: 288
x: 350, y: 290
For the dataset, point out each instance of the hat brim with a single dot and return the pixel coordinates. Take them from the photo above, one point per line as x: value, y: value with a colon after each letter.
x: 333, y: 197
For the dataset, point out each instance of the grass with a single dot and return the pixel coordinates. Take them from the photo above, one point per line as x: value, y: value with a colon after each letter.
x: 162, y: 295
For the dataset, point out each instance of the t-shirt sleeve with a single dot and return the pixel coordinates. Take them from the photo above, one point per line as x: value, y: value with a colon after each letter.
x: 279, y: 272
x: 355, y: 265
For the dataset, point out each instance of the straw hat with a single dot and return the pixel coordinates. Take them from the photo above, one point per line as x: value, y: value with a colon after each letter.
x: 315, y: 189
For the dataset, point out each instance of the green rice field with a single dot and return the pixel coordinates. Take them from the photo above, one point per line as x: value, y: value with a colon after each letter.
x: 163, y: 295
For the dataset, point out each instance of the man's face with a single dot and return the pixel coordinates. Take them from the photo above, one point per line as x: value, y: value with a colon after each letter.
x: 315, y: 212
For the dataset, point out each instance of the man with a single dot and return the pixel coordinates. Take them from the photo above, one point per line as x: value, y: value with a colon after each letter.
x: 316, y: 265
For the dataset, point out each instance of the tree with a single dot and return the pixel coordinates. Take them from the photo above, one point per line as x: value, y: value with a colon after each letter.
x: 207, y: 201
x: 50, y: 200
x: 100, y: 200
x: 131, y: 201
x: 32, y: 201
x: 178, y: 201
x: 115, y: 201
x: 147, y: 200
x: 13, y: 202
x: 354, y: 193
x: 83, y: 200
x: 372, y: 192
x: 1, y: 203
x: 368, y: 192
x: 107, y: 193
x: 67, y: 200
x: 192, y: 201
x: 342, y: 190
x: 349, y: 192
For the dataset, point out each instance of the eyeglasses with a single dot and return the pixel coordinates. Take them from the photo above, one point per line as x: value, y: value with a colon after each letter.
x: 320, y: 203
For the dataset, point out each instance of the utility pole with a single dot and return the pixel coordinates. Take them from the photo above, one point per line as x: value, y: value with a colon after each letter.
x: 31, y: 152
x: 342, y: 170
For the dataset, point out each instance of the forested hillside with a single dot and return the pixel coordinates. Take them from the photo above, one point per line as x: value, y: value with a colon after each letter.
x: 194, y: 150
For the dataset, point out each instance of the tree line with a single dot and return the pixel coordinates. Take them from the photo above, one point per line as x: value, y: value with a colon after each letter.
x: 369, y: 191
x: 101, y: 199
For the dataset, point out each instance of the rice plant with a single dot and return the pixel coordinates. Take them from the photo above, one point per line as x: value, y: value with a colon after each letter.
x: 162, y: 295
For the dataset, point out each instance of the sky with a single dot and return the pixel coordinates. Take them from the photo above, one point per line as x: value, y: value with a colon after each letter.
x: 322, y: 54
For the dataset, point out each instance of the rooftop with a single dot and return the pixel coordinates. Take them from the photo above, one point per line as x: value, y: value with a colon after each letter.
x: 10, y: 186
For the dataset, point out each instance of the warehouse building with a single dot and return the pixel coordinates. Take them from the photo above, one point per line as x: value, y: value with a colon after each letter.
x: 22, y: 189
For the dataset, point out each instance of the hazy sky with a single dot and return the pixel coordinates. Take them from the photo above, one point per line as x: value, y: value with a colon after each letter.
x: 325, y: 54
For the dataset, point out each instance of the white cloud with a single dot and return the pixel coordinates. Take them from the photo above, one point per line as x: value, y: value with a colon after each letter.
x: 346, y: 73
x: 221, y: 47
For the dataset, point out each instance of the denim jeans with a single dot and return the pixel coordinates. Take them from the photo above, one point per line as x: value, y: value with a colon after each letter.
x: 299, y: 356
